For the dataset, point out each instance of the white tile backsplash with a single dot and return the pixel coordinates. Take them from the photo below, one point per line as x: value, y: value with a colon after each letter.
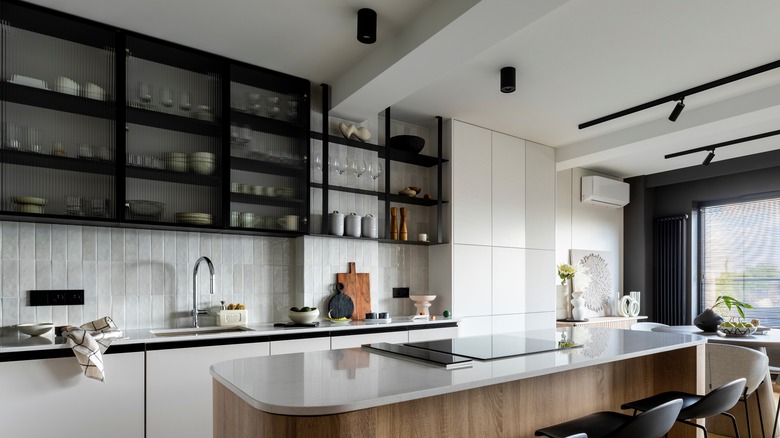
x: 143, y: 278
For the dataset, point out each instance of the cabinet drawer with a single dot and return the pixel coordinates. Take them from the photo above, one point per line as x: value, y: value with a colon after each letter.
x: 300, y: 345
x: 432, y: 334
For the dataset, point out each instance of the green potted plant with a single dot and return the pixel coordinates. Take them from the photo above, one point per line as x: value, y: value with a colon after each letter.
x: 709, y: 320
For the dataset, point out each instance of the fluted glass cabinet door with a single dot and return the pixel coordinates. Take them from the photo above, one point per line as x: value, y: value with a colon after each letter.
x: 269, y: 137
x: 57, y: 115
x: 173, y: 151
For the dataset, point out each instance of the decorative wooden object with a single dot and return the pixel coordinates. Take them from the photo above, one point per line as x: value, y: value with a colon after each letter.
x: 404, y: 235
x: 358, y: 287
x: 394, y: 223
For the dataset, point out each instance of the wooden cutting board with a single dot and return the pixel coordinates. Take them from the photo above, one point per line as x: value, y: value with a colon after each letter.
x: 358, y: 287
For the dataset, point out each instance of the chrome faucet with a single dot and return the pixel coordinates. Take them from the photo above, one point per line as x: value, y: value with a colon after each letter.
x: 195, y: 312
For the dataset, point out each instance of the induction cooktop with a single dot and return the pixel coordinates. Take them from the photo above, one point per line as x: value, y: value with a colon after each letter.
x: 494, y: 346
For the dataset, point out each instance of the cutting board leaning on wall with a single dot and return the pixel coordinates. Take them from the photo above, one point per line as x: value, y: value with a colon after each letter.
x: 358, y: 287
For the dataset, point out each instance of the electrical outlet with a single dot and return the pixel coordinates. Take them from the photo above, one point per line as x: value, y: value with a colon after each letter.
x: 400, y: 292
x: 72, y: 297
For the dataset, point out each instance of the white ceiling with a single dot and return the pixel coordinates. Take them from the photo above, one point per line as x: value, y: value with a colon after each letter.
x: 576, y: 60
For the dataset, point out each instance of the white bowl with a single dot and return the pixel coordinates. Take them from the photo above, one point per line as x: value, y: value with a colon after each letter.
x: 303, y: 317
x: 202, y: 167
x: 35, y: 328
x: 422, y: 298
x: 176, y: 166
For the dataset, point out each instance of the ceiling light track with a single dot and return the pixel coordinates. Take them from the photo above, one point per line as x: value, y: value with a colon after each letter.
x: 679, y: 96
x: 711, y: 148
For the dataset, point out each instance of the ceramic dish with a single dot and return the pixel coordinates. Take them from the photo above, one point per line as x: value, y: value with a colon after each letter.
x: 339, y: 322
x: 29, y: 200
x: 36, y: 328
x: 28, y: 82
x: 736, y: 331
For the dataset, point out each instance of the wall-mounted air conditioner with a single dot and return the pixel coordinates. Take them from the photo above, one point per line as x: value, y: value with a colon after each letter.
x: 604, y: 191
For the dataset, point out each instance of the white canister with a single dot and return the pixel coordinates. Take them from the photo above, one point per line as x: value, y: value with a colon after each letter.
x: 369, y: 227
x: 352, y: 225
x: 336, y: 223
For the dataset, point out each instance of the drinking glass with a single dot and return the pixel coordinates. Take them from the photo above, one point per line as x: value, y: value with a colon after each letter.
x: 185, y: 101
x: 144, y: 92
x: 358, y: 167
x: 375, y: 170
x: 166, y: 98
x: 340, y: 165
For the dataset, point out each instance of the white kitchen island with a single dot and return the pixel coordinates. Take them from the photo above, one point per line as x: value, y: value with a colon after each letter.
x: 355, y: 393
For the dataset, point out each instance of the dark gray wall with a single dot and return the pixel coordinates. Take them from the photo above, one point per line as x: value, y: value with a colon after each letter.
x: 676, y: 192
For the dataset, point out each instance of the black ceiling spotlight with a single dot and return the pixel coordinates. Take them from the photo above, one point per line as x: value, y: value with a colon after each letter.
x: 708, y: 158
x: 366, y: 26
x: 508, y: 80
x: 678, y: 96
x: 677, y: 110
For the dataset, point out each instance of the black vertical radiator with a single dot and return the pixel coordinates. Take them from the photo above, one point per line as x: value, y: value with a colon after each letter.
x: 670, y: 297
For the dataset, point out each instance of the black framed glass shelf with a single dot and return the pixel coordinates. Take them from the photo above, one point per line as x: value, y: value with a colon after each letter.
x: 277, y: 126
x: 170, y: 176
x: 274, y: 201
x: 23, y: 158
x: 261, y: 166
x: 56, y: 24
x: 53, y: 100
x: 172, y: 122
x: 347, y: 189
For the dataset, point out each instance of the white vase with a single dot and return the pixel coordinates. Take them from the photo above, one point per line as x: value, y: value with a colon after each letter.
x: 578, y: 304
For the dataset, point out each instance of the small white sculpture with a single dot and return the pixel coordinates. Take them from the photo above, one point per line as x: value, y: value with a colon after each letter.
x: 360, y: 132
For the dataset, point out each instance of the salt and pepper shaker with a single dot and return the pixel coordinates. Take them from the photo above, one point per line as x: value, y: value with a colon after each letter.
x: 404, y: 235
x: 393, y: 223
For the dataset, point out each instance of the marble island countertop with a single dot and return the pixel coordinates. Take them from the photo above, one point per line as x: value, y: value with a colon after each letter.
x: 334, y: 382
x: 13, y: 341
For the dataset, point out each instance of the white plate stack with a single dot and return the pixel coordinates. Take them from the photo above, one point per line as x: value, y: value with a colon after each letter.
x: 194, y: 218
x: 176, y: 161
x: 29, y: 204
x: 202, y: 163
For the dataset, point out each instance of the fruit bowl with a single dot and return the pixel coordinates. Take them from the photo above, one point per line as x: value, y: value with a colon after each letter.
x: 737, y: 329
x: 303, y: 316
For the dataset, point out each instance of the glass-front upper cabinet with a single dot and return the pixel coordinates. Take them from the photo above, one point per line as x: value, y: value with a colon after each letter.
x: 269, y: 136
x: 57, y: 115
x: 173, y: 135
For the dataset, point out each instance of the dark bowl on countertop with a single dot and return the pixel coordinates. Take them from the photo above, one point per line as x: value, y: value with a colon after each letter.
x: 407, y: 143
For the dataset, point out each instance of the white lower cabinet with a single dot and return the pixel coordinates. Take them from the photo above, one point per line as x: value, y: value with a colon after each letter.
x: 178, y: 388
x: 52, y: 398
x: 351, y: 341
x: 300, y: 345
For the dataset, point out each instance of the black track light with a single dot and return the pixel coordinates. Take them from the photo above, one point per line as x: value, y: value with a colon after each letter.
x: 708, y: 158
x: 677, y: 110
x: 508, y: 80
x: 366, y: 26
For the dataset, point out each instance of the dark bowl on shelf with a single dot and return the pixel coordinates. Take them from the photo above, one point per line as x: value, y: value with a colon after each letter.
x: 407, y: 143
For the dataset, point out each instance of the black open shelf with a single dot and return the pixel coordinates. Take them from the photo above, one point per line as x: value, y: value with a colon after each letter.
x: 172, y: 122
x: 250, y: 165
x: 410, y: 158
x: 21, y: 158
x: 56, y: 101
x: 169, y: 176
x: 347, y: 142
x: 400, y: 199
x: 348, y: 190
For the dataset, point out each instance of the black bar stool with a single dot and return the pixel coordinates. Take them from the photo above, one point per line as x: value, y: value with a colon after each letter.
x: 653, y: 423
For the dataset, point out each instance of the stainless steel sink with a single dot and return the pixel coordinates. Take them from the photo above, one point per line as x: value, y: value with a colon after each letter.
x: 197, y: 331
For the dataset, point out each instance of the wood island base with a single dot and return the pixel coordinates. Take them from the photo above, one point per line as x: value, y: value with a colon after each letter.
x: 511, y: 409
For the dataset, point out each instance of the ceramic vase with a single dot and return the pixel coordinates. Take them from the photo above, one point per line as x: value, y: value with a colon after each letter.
x: 708, y: 320
x: 578, y: 306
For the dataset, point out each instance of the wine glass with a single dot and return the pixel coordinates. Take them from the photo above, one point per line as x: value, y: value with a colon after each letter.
x: 318, y: 161
x: 340, y: 166
x: 375, y: 170
x: 358, y: 167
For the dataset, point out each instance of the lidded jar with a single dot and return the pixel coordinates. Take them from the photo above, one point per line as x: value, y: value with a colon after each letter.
x: 352, y: 225
x: 336, y: 223
x: 370, y: 228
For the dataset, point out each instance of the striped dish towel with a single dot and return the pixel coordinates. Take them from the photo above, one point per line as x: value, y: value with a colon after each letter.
x: 89, y: 342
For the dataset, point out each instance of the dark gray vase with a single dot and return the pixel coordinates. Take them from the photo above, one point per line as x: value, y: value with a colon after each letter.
x: 708, y: 321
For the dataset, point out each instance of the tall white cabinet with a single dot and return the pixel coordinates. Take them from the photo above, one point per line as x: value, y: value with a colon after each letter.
x: 499, y: 266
